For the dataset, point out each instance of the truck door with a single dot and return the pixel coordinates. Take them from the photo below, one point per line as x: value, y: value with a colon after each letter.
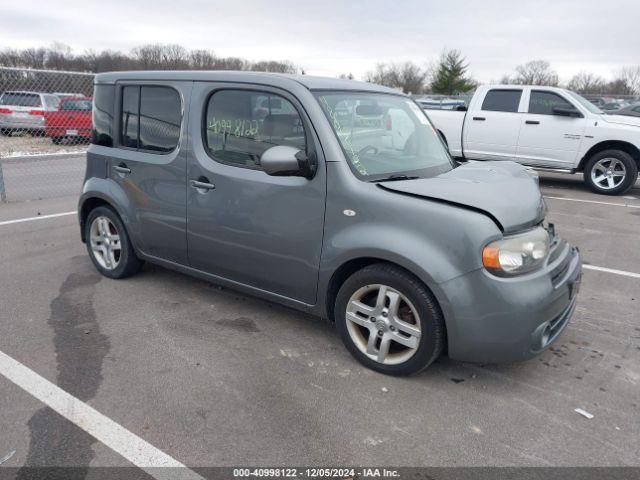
x: 546, y: 138
x: 491, y: 131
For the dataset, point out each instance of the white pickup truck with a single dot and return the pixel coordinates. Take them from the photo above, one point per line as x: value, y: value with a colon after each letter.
x: 546, y: 128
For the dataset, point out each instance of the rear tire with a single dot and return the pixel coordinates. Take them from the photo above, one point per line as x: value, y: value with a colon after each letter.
x: 610, y: 172
x: 57, y: 140
x: 108, y: 244
x: 5, y: 132
x: 389, y: 320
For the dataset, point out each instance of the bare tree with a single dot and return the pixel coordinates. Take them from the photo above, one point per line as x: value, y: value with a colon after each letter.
x: 408, y: 76
x: 631, y: 77
x: 231, y: 63
x: 156, y: 56
x: 618, y: 86
x: 535, y: 72
x: 274, y: 66
x: 585, y: 82
x: 202, y: 60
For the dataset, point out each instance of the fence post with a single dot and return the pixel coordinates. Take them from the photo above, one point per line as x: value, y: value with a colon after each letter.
x: 3, y: 192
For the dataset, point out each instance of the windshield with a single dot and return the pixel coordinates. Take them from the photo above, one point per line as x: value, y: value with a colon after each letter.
x: 586, y: 103
x: 385, y: 135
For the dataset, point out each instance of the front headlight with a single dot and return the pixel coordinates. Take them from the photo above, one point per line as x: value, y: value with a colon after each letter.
x: 517, y: 254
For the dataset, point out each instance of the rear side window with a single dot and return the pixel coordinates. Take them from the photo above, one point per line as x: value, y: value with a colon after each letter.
x: 242, y: 124
x: 637, y: 109
x: 150, y: 118
x: 502, y: 100
x: 543, y: 103
x: 19, y: 99
x: 129, y: 121
x: 103, y: 103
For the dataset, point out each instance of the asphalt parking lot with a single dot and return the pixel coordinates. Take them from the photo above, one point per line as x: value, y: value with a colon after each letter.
x: 212, y: 377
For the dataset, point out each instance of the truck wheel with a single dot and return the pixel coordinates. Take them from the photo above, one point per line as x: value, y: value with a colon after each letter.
x: 57, y: 140
x: 389, y: 320
x: 109, y: 245
x: 5, y: 131
x: 611, y: 172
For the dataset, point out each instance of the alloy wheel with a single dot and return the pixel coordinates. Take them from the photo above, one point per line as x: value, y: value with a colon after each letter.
x: 105, y: 243
x: 608, y: 173
x: 383, y: 324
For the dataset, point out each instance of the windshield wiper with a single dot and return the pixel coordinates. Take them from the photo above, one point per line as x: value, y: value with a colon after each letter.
x: 393, y: 178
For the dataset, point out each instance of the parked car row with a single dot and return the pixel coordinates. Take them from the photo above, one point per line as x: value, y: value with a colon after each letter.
x: 59, y: 116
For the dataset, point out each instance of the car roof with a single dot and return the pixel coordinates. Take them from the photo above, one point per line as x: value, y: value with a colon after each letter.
x: 22, y: 92
x: 270, y: 79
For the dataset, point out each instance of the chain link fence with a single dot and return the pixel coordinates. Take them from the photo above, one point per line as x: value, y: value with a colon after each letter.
x: 45, y: 126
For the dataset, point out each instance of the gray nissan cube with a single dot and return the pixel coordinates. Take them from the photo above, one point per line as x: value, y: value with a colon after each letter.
x: 334, y: 197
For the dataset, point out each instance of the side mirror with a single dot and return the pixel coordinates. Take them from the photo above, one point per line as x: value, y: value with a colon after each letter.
x: 285, y: 161
x: 567, y: 112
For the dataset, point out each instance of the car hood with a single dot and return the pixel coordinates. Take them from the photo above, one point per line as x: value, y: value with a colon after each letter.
x: 505, y: 191
x: 622, y: 120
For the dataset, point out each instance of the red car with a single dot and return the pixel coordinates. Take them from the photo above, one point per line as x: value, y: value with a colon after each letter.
x: 71, y: 122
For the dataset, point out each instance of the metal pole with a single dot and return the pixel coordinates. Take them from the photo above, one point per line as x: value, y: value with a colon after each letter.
x: 3, y: 192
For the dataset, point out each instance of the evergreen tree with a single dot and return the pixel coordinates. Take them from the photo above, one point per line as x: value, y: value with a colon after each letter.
x: 451, y: 74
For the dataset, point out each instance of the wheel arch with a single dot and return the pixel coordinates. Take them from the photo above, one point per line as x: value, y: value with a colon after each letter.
x: 349, y: 267
x: 627, y: 147
x: 86, y: 207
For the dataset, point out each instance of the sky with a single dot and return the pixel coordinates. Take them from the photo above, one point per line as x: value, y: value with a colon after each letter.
x: 333, y: 37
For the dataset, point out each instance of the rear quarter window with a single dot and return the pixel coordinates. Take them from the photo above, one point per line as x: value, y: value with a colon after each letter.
x: 502, y: 100
x: 102, y: 116
x: 151, y: 118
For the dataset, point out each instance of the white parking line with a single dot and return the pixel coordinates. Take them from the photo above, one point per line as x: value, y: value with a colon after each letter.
x: 39, y: 217
x: 136, y: 450
x: 611, y: 270
x: 593, y: 201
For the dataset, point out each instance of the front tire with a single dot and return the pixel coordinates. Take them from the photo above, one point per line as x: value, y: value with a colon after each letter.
x: 389, y: 320
x: 108, y: 244
x: 611, y: 172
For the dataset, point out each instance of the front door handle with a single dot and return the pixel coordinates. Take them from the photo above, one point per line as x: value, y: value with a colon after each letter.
x: 122, y: 169
x: 532, y: 122
x: 202, y: 185
x: 479, y: 119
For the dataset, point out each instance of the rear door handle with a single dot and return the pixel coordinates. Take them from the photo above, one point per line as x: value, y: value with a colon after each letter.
x: 202, y: 184
x: 122, y: 168
x: 532, y: 122
x: 479, y: 119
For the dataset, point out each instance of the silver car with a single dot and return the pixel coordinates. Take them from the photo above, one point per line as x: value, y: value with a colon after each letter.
x: 631, y: 111
x: 334, y: 197
x: 24, y: 111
